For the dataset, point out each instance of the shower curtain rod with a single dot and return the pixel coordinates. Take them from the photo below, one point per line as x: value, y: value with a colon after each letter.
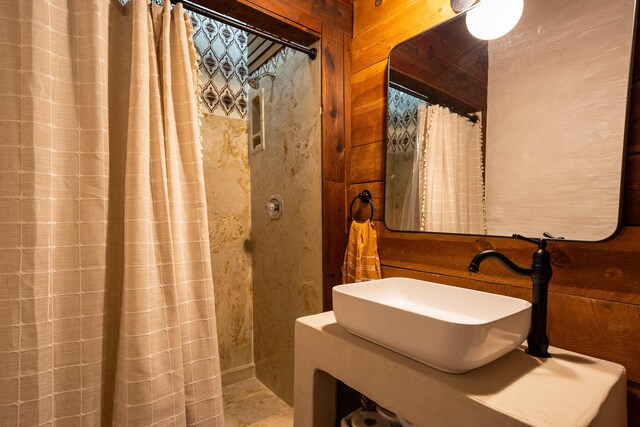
x: 194, y: 7
x: 473, y: 118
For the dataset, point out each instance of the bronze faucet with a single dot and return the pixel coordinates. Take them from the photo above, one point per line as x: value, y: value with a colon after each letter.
x: 540, y: 273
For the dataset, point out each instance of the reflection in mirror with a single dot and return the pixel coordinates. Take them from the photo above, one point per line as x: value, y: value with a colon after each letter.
x: 522, y: 134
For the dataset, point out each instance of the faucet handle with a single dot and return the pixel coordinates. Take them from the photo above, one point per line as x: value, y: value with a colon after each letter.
x: 551, y: 236
x: 541, y: 243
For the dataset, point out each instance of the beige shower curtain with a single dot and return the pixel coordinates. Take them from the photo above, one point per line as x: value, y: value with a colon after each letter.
x: 451, y: 179
x: 106, y: 297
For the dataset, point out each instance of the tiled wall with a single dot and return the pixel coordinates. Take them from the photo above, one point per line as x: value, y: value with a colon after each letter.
x: 402, y: 121
x: 287, y: 252
x: 223, y: 67
x: 227, y: 186
x: 223, y: 100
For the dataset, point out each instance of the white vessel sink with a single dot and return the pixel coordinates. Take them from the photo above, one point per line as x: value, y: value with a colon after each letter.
x: 448, y: 328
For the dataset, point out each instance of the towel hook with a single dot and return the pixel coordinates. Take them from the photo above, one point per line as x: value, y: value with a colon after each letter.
x: 365, y: 197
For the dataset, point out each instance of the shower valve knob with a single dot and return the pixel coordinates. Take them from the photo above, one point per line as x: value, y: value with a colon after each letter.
x: 275, y: 206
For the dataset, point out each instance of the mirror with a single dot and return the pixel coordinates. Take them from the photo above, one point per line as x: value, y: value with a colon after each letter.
x: 521, y: 134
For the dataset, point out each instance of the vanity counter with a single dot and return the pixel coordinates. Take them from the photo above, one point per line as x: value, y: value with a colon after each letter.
x: 516, y: 390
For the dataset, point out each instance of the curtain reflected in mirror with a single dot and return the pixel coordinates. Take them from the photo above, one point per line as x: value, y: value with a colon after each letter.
x: 444, y: 186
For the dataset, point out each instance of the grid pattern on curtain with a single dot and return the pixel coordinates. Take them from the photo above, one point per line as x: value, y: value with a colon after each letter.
x: 167, y: 358
x: 105, y: 282
x: 53, y: 211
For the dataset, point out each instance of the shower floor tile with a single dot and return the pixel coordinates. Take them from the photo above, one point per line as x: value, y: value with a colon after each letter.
x: 249, y: 403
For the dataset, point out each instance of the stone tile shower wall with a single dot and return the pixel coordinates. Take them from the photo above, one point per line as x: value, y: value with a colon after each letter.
x: 287, y: 252
x: 227, y: 187
x: 223, y: 102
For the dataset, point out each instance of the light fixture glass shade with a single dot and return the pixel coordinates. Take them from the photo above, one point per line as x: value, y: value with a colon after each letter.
x: 494, y: 18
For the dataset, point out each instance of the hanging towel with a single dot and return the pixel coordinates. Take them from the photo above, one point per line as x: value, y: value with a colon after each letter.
x: 361, y: 261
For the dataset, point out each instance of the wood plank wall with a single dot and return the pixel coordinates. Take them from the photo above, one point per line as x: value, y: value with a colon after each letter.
x: 448, y: 65
x: 594, y: 301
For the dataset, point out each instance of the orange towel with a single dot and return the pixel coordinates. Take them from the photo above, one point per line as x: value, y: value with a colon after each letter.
x: 361, y: 261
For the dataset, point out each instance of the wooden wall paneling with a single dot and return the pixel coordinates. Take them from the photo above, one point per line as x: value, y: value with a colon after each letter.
x: 369, y: 86
x: 300, y: 21
x: 347, y: 84
x: 333, y: 113
x: 334, y: 237
x: 334, y: 143
x: 596, y: 286
x: 473, y: 97
x: 509, y: 290
x: 361, y: 211
x: 309, y: 12
x: 454, y: 44
x: 347, y: 108
x: 368, y: 100
x: 303, y: 29
x: 633, y: 404
x: 607, y: 271
x: 367, y: 162
x: 635, y: 63
x: 374, y: 39
x: 364, y: 130
x: 437, y: 78
x: 631, y: 200
x: 368, y: 13
x: 633, y: 137
x: 584, y: 324
x: 575, y: 323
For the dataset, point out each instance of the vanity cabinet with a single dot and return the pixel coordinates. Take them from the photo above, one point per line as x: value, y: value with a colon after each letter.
x: 568, y: 389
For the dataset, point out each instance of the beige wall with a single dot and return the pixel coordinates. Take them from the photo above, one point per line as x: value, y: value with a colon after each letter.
x: 556, y: 120
x: 287, y: 252
x: 227, y: 186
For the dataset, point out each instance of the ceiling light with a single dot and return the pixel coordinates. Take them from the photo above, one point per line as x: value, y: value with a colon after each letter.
x: 491, y: 19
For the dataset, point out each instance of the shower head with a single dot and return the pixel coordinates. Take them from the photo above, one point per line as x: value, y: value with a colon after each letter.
x: 254, y: 82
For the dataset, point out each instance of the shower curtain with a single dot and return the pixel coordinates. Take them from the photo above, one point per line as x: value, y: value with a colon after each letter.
x: 450, y: 179
x: 106, y: 297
